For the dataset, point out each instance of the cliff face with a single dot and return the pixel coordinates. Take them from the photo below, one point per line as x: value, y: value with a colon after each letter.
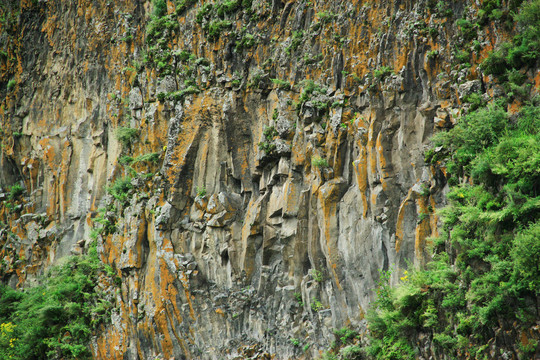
x: 271, y: 153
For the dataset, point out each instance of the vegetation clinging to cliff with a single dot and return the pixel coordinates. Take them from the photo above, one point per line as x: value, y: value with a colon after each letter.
x: 484, y: 279
x: 56, y: 319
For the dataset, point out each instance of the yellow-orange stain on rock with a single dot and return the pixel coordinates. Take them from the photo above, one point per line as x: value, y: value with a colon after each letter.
x: 401, y: 217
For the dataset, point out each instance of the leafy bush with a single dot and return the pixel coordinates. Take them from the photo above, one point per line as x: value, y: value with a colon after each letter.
x: 126, y: 136
x: 215, y: 28
x: 181, y: 94
x: 120, y: 188
x: 269, y: 134
x: 150, y: 157
x: 57, y: 318
x: 524, y: 49
x: 310, y: 87
x: 319, y: 162
x: 467, y: 29
x: 15, y: 191
x: 182, y: 5
x: 160, y: 8
x: 493, y: 221
x: 382, y: 72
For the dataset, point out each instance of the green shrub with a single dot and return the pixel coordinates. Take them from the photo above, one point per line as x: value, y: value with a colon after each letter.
x: 57, y: 318
x: 282, y: 84
x: 15, y: 191
x: 310, y: 87
x: 524, y: 49
x: 491, y: 230
x: 204, y: 12
x: 227, y: 7
x: 11, y: 84
x: 269, y: 134
x: 316, y: 305
x: 215, y: 28
x: 345, y: 335
x: 182, y: 6
x: 201, y: 191
x: 316, y: 275
x: 462, y: 56
x: 181, y: 94
x: 160, y: 8
x: 326, y: 17
x: 319, y: 162
x: 382, y: 72
x: 126, y: 136
x: 150, y: 157
x: 247, y: 41
x: 467, y: 29
x: 120, y: 188
x: 296, y: 41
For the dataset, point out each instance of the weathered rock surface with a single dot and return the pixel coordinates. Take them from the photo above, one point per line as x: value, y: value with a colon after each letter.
x: 238, y: 240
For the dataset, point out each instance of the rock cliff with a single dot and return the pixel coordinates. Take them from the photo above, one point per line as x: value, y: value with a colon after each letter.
x: 247, y: 168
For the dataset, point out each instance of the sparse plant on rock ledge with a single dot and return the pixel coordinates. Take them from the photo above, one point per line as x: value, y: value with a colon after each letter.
x: 319, y: 162
x: 201, y: 191
x: 269, y: 134
x: 120, y: 188
x: 15, y: 191
x: 126, y: 136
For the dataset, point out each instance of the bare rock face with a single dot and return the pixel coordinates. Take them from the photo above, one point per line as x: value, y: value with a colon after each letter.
x: 267, y: 211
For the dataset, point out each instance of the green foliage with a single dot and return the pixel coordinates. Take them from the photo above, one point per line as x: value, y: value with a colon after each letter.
x: 150, y: 157
x: 227, y: 7
x: 295, y: 342
x: 326, y: 17
x: 245, y: 42
x: 345, y: 335
x: 310, y: 88
x: 181, y: 94
x: 316, y: 305
x: 467, y: 29
x: 298, y: 298
x: 160, y: 8
x: 56, y: 319
x: 15, y: 191
x: 11, y: 84
x: 432, y: 54
x: 268, y: 145
x: 296, y: 40
x: 316, y: 275
x: 126, y: 136
x: 524, y: 49
x: 382, y: 73
x: 282, y: 84
x: 462, y: 297
x: 462, y: 56
x: 204, y: 12
x: 215, y: 28
x: 476, y: 100
x: 182, y: 5
x: 120, y: 188
x: 257, y: 79
x: 319, y: 162
x: 201, y: 191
